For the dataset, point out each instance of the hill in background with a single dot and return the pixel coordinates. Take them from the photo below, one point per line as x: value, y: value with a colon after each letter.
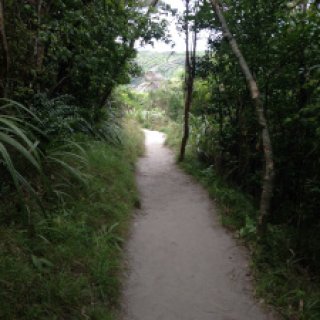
x: 157, y: 67
x: 167, y: 64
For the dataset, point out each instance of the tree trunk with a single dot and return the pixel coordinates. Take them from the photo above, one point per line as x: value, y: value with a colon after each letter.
x: 5, y: 54
x: 38, y: 46
x: 186, y: 131
x: 189, y: 82
x: 268, y: 179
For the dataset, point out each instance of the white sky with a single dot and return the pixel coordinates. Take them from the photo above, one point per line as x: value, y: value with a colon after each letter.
x: 177, y: 38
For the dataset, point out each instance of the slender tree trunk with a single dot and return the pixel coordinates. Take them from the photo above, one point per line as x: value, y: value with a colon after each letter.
x: 268, y: 179
x: 38, y: 46
x: 186, y: 128
x: 188, y: 94
x: 189, y: 82
x: 5, y: 54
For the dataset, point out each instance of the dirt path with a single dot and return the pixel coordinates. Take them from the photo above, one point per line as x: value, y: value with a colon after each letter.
x: 183, y: 264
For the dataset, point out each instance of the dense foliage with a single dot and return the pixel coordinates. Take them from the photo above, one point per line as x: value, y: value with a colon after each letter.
x: 60, y: 61
x: 66, y: 160
x: 153, y: 109
x: 81, y: 48
x: 283, y: 54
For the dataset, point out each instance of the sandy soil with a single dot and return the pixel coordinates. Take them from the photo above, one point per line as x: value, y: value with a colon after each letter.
x: 182, y: 264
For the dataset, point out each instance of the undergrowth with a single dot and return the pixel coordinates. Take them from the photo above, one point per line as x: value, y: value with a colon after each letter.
x: 68, y: 266
x: 279, y: 278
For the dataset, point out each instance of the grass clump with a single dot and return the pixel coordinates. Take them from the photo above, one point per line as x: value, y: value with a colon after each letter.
x: 68, y: 266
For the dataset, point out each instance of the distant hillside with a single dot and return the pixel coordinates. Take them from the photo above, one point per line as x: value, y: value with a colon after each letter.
x: 157, y: 68
x: 168, y: 64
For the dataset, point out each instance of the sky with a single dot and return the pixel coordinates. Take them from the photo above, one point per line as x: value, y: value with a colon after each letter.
x: 176, y: 37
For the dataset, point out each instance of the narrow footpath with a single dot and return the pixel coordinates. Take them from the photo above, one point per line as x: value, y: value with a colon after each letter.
x: 182, y: 265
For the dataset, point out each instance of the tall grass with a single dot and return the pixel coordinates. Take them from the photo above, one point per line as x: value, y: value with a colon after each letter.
x: 31, y: 146
x: 69, y: 267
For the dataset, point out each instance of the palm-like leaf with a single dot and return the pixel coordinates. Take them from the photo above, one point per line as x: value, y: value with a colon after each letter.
x: 15, y: 138
x: 70, y: 159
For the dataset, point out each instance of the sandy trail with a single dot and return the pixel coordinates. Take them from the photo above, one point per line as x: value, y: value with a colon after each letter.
x: 183, y: 264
